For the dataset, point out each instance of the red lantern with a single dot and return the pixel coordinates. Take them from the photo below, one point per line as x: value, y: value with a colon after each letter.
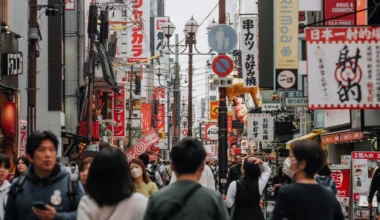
x: 156, y: 150
x: 8, y: 120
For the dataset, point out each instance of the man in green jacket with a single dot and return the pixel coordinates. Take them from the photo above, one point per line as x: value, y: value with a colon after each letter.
x: 186, y: 199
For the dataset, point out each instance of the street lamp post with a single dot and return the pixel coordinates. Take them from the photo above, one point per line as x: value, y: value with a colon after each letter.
x: 191, y: 29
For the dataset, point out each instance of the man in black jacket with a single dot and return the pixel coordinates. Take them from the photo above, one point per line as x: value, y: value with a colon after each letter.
x: 235, y: 171
x: 375, y: 186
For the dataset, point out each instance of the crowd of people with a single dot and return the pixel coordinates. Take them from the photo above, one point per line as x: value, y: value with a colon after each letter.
x: 111, y: 187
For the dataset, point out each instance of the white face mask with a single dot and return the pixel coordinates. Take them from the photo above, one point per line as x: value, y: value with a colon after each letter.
x: 136, y: 172
x: 287, y: 171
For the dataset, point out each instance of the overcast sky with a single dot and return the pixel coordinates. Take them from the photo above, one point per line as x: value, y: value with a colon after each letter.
x: 180, y: 11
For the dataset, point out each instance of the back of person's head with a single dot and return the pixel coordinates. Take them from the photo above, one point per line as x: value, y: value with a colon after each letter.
x: 35, y: 139
x: 187, y: 156
x: 103, y: 145
x: 84, y: 164
x: 311, y: 153
x: 4, y: 161
x: 251, y: 170
x: 109, y: 180
x: 324, y: 171
x: 145, y: 158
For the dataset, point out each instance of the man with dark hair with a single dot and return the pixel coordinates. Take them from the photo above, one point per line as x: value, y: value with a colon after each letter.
x: 152, y: 174
x: 186, y: 197
x: 46, y: 191
x: 235, y: 172
x: 5, y: 165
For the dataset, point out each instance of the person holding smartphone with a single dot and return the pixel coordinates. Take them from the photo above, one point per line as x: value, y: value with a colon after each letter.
x: 46, y: 191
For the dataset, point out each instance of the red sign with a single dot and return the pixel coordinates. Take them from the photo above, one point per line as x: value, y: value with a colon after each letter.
x: 119, y: 114
x: 144, y: 144
x: 351, y: 136
x: 366, y: 155
x: 146, y: 117
x: 69, y: 5
x: 138, y: 37
x: 229, y: 124
x: 334, y: 8
x: 211, y: 131
x: 342, y: 181
x: 159, y: 97
x: 330, y: 139
x: 222, y: 65
x: 361, y: 17
x: 184, y: 132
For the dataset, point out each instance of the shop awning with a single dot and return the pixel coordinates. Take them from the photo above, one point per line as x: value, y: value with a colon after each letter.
x: 311, y: 135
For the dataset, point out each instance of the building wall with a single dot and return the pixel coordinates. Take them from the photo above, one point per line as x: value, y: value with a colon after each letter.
x: 46, y: 120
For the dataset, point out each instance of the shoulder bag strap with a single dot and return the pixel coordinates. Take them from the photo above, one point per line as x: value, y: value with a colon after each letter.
x: 170, y: 176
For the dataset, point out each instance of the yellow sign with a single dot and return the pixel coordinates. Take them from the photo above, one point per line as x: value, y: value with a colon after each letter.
x: 286, y: 31
x: 214, y: 107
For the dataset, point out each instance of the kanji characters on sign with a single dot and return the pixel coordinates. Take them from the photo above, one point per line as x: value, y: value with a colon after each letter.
x: 260, y: 127
x: 249, y: 51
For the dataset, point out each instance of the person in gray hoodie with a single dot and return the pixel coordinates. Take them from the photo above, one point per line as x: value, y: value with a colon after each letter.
x: 5, y: 165
x: 48, y: 191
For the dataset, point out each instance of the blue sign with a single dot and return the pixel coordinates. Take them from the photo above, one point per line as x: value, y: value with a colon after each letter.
x: 222, y: 65
x: 319, y: 118
x: 222, y: 38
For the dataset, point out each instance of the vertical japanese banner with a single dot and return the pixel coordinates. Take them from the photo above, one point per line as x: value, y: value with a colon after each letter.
x: 229, y: 124
x: 342, y: 181
x: 23, y: 137
x: 260, y: 127
x: 159, y: 97
x: 249, y: 37
x: 159, y: 37
x: 343, y: 67
x: 139, y: 36
x: 119, y: 113
x: 286, y: 45
x: 146, y: 117
x: 334, y: 8
x: 302, y: 21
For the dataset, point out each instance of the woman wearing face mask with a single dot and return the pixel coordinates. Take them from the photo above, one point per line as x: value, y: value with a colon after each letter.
x: 22, y: 165
x: 306, y: 199
x: 141, y: 180
x: 243, y: 195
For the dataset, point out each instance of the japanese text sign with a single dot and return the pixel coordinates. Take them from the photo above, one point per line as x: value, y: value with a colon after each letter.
x: 271, y: 100
x: 139, y: 46
x: 334, y: 8
x: 211, y: 131
x: 342, y: 181
x: 302, y: 21
x: 260, y: 127
x: 159, y: 37
x: 286, y: 45
x: 119, y: 113
x: 145, y: 143
x: 342, y: 63
x: 146, y: 117
x: 249, y: 37
x: 330, y: 139
x: 159, y: 96
x: 295, y: 99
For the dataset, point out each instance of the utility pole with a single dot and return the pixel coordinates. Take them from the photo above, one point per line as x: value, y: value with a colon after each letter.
x: 169, y: 123
x: 191, y: 39
x: 129, y: 125
x: 32, y: 67
x: 222, y: 121
x: 177, y: 95
x: 92, y: 30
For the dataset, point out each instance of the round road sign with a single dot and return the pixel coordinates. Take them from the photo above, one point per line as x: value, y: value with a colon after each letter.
x: 222, y: 65
x: 184, y: 132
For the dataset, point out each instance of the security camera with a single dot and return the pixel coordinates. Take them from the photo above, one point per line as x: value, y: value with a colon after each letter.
x: 185, y: 81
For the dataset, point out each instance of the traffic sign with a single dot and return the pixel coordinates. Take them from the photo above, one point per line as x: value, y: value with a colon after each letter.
x: 222, y: 65
x: 222, y: 38
x: 184, y: 132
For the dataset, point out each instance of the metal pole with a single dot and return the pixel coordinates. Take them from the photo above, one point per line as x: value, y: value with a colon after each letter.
x: 222, y: 121
x: 177, y: 93
x: 168, y: 104
x: 190, y: 97
x: 32, y: 69
x: 129, y: 125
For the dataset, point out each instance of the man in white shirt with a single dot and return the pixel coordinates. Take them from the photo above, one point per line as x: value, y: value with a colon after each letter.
x: 206, y: 180
x: 4, y: 184
x: 167, y: 171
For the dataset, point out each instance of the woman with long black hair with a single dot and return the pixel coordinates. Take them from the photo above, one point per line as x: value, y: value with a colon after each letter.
x: 22, y: 165
x: 243, y: 195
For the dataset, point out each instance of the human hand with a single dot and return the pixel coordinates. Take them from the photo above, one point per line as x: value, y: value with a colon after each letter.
x: 255, y: 160
x: 48, y: 214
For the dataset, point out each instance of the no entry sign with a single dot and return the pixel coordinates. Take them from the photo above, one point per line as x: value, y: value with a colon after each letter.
x: 222, y: 65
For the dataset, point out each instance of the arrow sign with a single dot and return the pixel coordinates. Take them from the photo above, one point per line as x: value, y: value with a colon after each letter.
x: 216, y: 110
x: 222, y: 65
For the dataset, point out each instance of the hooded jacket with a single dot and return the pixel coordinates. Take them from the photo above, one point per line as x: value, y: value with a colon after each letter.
x: 4, y: 189
x: 52, y: 191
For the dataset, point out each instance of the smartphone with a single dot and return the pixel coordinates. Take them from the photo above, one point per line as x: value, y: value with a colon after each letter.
x: 39, y: 205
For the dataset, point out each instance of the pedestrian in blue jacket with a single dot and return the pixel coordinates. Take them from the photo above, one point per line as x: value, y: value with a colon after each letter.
x: 47, y: 190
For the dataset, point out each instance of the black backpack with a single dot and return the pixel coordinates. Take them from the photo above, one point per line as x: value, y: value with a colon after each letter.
x: 152, y: 176
x: 72, y: 185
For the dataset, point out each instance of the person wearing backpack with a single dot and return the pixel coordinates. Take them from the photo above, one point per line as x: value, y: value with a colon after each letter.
x: 324, y: 178
x: 152, y: 174
x: 46, y: 191
x: 186, y: 199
